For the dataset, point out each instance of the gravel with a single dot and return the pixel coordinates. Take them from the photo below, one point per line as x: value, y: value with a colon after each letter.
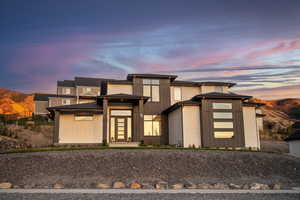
x: 86, y: 168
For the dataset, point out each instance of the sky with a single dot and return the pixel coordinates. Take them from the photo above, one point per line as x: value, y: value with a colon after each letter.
x: 254, y: 43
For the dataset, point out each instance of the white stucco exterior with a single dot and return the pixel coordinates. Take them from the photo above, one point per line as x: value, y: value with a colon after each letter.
x: 250, y: 128
x: 294, y: 147
x: 208, y: 89
x: 186, y: 93
x: 175, y: 127
x: 119, y: 88
x: 73, y: 131
x: 191, y: 126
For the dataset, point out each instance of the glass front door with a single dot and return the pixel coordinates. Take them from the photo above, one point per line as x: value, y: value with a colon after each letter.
x: 120, y: 125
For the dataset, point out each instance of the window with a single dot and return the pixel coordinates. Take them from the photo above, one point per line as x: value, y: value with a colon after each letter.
x: 83, y: 117
x: 219, y: 89
x: 223, y: 125
x: 222, y: 105
x: 151, y: 89
x: 222, y: 115
x: 177, y: 93
x: 66, y: 90
x: 223, y: 134
x: 120, y: 113
x: 152, y: 125
x: 66, y: 101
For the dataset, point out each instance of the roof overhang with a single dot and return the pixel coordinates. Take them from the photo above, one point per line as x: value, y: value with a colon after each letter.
x: 122, y: 98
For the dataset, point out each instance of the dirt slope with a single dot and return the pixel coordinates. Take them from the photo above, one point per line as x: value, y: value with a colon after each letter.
x: 85, y: 168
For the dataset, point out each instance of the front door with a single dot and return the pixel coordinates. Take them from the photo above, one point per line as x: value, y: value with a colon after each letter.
x: 121, y: 125
x: 121, y: 129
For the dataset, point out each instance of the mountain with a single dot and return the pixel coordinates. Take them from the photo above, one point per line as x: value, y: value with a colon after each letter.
x: 16, y: 103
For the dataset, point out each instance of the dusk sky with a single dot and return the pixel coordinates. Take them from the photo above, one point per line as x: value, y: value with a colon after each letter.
x: 253, y: 43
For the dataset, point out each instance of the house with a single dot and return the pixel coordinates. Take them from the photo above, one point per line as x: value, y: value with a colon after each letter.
x: 151, y: 108
x: 294, y: 139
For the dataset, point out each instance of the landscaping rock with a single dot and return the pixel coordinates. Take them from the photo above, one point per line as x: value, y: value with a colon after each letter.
x: 161, y: 185
x: 246, y: 187
x: 204, y: 186
x: 259, y: 186
x: 103, y: 186
x: 234, y: 186
x: 58, y: 186
x: 119, y: 185
x: 220, y: 186
x: 295, y: 188
x: 276, y: 186
x: 177, y: 186
x: 147, y: 186
x: 135, y: 186
x: 190, y: 186
x: 5, y: 185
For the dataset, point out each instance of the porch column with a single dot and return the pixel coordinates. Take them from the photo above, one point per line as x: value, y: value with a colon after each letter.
x: 105, y: 107
x: 141, y: 119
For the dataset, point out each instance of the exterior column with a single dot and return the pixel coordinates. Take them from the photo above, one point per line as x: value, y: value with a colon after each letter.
x: 105, y: 107
x: 141, y: 120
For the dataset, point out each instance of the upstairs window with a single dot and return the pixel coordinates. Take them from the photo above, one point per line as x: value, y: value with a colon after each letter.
x: 66, y: 90
x: 177, y: 93
x: 66, y: 101
x: 151, y: 89
x: 219, y: 89
x: 222, y: 106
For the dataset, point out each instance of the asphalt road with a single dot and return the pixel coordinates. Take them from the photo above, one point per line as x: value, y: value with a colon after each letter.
x: 148, y: 195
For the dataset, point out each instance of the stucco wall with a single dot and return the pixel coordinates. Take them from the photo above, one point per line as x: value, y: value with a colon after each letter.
x: 186, y: 93
x: 250, y: 128
x: 294, y: 147
x: 119, y: 88
x: 40, y: 107
x: 72, y: 131
x: 191, y: 126
x: 86, y: 100
x: 175, y: 127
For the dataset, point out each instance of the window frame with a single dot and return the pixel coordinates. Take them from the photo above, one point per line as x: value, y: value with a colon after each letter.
x: 65, y: 89
x: 83, y: 117
x: 69, y: 100
x: 154, y: 120
x: 151, y: 84
x: 180, y: 93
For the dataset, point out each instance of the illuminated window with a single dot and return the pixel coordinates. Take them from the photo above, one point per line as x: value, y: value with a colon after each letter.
x: 219, y: 89
x: 120, y: 113
x: 152, y: 125
x: 222, y: 105
x: 66, y: 101
x: 151, y: 89
x: 222, y: 115
x: 223, y: 124
x: 66, y: 90
x: 84, y: 118
x: 223, y: 134
x: 177, y: 93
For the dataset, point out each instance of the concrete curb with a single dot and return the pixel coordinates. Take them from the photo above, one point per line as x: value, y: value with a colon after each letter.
x: 142, y: 191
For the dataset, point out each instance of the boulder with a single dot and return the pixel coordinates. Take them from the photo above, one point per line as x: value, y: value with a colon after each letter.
x: 58, y: 186
x: 103, y: 186
x: 147, y: 186
x: 177, y: 186
x: 161, y: 185
x: 135, y: 186
x: 5, y: 185
x: 119, y: 185
x: 234, y: 186
x: 259, y: 186
x: 190, y: 186
x: 276, y: 186
x: 204, y: 186
x: 220, y: 186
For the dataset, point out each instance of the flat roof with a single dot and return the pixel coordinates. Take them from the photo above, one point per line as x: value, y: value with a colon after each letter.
x: 158, y: 76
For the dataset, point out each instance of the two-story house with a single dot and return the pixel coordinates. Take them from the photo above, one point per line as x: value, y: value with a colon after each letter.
x: 153, y: 109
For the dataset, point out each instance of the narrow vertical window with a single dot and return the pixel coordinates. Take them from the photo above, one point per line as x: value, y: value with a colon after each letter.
x: 177, y: 94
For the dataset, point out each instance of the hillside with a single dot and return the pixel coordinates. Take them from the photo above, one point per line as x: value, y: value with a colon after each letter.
x: 17, y: 103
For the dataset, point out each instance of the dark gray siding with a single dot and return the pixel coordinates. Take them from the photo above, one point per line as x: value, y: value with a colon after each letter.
x: 208, y: 139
